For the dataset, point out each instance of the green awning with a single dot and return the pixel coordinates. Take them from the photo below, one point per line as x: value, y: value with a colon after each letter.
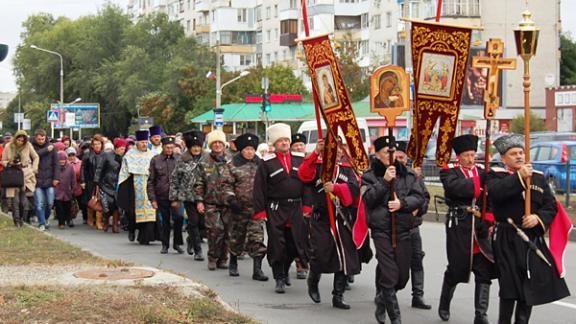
x: 250, y: 112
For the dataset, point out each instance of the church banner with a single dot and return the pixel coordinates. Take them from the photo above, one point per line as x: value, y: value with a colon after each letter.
x: 439, y: 57
x: 331, y: 97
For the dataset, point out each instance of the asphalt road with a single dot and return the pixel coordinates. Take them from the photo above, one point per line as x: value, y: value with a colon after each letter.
x: 259, y: 300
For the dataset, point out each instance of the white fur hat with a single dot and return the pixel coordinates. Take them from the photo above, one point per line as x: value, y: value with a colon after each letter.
x: 278, y: 131
x: 216, y: 136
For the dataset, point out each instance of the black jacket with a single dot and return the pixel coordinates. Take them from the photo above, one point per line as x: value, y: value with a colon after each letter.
x: 161, y: 167
x: 378, y: 192
x: 48, y: 167
x: 90, y: 161
x: 106, y: 172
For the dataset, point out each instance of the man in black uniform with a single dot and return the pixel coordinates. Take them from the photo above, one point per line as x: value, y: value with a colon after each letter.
x: 331, y: 252
x: 416, y: 264
x: 525, y: 279
x: 278, y: 199
x: 392, y: 193
x: 463, y: 184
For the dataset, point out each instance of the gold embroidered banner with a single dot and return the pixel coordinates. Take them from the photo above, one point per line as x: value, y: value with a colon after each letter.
x: 331, y: 96
x: 439, y: 57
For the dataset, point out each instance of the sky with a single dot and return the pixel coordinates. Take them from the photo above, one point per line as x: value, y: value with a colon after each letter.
x: 14, y: 12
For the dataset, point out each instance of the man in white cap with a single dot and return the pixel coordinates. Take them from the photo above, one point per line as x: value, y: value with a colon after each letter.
x: 278, y: 199
x: 212, y: 191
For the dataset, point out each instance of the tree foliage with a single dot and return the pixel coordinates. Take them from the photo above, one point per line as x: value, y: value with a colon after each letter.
x: 567, y: 60
x: 356, y: 80
x: 536, y: 124
x: 131, y: 69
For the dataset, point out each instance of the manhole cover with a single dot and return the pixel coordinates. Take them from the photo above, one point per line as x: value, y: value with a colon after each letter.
x: 114, y: 274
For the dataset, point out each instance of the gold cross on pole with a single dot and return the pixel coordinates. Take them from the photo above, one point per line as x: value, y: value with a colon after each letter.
x: 494, y: 63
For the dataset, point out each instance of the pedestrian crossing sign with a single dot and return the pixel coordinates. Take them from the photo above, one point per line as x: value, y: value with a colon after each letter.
x: 53, y: 115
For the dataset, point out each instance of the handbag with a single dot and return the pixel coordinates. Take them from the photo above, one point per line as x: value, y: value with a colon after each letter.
x: 95, y: 203
x: 12, y: 177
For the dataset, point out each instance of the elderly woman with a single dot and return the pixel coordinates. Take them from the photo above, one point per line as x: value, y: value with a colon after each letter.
x: 20, y: 153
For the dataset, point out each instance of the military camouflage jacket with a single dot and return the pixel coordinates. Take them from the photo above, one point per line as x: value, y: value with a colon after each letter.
x: 214, y: 183
x: 243, y: 171
x: 184, y: 176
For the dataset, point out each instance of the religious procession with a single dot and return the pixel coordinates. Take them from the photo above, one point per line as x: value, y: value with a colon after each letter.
x: 302, y: 208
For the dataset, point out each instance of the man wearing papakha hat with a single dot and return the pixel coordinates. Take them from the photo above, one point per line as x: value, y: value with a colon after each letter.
x: 278, y: 199
x: 181, y: 180
x: 155, y: 144
x: 463, y: 185
x: 213, y: 190
x: 525, y: 279
x: 132, y: 195
x: 246, y: 234
x: 298, y: 144
x: 161, y: 167
x: 416, y: 264
x: 392, y: 193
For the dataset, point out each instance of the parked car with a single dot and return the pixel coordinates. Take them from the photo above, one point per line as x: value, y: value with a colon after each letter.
x: 551, y: 158
x: 309, y: 129
x: 552, y: 136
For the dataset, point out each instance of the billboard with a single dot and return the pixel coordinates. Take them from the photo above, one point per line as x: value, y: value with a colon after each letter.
x: 84, y: 115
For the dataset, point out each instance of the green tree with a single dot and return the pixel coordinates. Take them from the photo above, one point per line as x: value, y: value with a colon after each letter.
x: 536, y: 124
x: 357, y: 81
x: 567, y: 60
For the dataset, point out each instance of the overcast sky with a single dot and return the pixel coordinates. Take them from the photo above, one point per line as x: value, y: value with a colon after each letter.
x: 14, y: 12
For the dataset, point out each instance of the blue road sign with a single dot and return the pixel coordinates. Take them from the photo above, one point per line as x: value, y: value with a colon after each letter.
x: 52, y: 115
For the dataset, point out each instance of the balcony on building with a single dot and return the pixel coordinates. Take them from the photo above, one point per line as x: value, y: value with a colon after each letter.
x: 202, y: 5
x: 456, y: 9
x: 243, y: 42
x: 348, y: 25
x: 288, y: 32
x: 202, y: 28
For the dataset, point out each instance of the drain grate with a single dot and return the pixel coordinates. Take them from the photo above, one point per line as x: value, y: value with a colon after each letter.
x: 114, y: 274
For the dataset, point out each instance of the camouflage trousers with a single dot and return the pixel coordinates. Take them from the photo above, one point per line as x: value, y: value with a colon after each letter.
x: 217, y: 220
x: 246, y: 234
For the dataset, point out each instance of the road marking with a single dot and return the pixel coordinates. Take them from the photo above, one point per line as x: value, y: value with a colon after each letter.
x: 559, y: 303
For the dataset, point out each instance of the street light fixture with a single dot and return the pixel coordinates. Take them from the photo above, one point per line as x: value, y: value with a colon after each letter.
x: 218, y: 109
x: 526, y: 36
x: 61, y: 78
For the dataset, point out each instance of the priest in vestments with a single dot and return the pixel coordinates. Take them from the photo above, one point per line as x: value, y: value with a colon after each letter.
x: 132, y: 195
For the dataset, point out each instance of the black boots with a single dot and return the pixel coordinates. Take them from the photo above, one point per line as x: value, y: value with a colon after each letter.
x: 380, y: 313
x: 131, y: 236
x: 481, y: 300
x: 257, y: 273
x: 418, y: 290
x: 523, y: 312
x: 280, y: 286
x: 388, y: 298
x: 178, y: 249
x: 164, y: 249
x: 445, y: 299
x: 340, y: 281
x: 233, y: 266
x: 279, y: 275
x: 312, y: 281
x: 193, y: 243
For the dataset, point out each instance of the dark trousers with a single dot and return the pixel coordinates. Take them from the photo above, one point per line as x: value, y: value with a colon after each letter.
x: 481, y: 267
x: 63, y: 209
x: 416, y: 264
x: 171, y: 219
x: 393, y: 269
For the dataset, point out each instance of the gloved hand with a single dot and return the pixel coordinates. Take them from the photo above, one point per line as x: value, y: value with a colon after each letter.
x: 234, y: 204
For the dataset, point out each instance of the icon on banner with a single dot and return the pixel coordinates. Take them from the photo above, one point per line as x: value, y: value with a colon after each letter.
x: 53, y: 116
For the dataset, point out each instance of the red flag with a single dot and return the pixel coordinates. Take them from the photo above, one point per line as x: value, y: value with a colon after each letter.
x: 559, y: 232
x: 360, y: 229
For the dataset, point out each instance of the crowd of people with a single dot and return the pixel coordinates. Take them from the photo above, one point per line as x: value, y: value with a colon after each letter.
x: 231, y: 191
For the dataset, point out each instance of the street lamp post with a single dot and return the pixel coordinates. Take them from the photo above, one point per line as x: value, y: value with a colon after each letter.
x: 219, y: 87
x: 61, y: 79
x: 526, y: 36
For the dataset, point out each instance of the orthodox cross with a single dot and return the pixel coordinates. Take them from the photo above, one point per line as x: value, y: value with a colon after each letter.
x: 494, y: 63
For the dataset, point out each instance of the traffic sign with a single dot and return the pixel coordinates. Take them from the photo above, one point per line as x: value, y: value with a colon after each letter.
x: 219, y: 117
x: 53, y: 115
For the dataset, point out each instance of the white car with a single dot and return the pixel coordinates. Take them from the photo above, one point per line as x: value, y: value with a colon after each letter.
x: 310, y: 130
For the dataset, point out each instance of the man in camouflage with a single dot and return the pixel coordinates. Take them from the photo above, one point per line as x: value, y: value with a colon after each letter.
x: 181, y: 180
x: 245, y: 233
x: 212, y: 190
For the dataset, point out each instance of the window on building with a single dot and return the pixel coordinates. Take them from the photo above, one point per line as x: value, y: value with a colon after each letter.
x: 258, y: 13
x: 389, y: 19
x: 188, y: 25
x: 267, y: 12
x: 268, y: 62
x: 275, y: 33
x: 293, y: 4
x: 268, y: 33
x: 189, y: 4
x: 275, y: 56
x: 363, y: 48
x: 415, y: 7
x: 377, y: 3
x: 289, y: 26
x: 376, y: 21
x: 276, y: 11
x: 242, y: 15
x: 181, y: 6
x: 259, y: 37
x: 245, y: 59
x: 364, y: 19
x: 461, y: 7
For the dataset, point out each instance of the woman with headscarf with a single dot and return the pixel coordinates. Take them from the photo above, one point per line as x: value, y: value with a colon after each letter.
x: 19, y: 152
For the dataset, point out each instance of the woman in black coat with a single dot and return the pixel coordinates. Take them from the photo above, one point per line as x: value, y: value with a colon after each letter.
x: 90, y: 161
x: 106, y: 178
